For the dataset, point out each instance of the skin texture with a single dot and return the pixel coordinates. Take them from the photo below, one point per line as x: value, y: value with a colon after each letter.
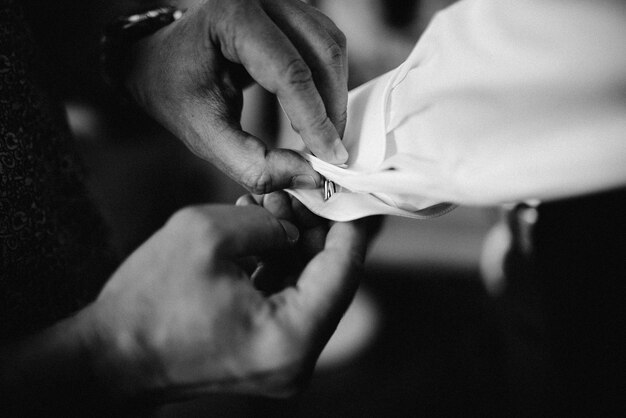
x: 189, y: 77
x: 195, y: 313
x: 204, y: 306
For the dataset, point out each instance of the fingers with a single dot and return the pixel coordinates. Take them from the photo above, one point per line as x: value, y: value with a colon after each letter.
x: 304, y: 216
x: 279, y: 205
x: 279, y: 270
x: 268, y: 55
x: 323, y: 47
x: 238, y: 231
x: 313, y: 229
x: 284, y: 206
x: 328, y: 283
x: 246, y: 159
x: 246, y: 200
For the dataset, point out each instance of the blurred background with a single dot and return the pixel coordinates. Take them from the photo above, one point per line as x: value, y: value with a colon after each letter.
x: 422, y: 335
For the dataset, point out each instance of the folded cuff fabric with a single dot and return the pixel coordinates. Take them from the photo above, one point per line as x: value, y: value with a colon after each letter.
x: 362, y: 187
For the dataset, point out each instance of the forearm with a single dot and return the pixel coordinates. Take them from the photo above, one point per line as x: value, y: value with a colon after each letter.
x: 52, y: 371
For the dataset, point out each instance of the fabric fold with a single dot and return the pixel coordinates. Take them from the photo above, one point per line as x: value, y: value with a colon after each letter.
x: 362, y: 184
x: 499, y: 102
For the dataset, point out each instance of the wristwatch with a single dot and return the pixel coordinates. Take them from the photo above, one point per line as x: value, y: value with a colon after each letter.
x: 120, y: 34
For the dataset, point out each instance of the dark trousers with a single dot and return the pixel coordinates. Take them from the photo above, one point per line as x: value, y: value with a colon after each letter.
x: 563, y: 311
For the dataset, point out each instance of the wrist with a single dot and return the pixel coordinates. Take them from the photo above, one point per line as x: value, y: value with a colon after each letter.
x: 54, y: 367
x: 120, y: 35
x: 112, y: 355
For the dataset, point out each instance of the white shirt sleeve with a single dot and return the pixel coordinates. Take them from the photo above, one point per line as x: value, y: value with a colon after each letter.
x: 500, y: 101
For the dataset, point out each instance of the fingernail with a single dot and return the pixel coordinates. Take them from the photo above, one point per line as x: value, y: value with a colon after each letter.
x: 245, y: 200
x: 292, y: 232
x: 303, y: 181
x: 341, y: 154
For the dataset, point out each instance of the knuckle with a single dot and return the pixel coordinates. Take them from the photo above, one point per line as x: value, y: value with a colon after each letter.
x: 343, y: 116
x: 258, y: 182
x: 334, y: 54
x: 298, y: 75
x: 184, y: 218
x: 332, y: 29
x: 211, y: 233
x: 197, y: 224
x: 340, y: 38
x: 319, y: 122
x: 228, y: 38
x: 229, y: 21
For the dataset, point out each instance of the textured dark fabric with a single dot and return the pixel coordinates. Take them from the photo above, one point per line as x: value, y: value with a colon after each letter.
x: 53, y: 251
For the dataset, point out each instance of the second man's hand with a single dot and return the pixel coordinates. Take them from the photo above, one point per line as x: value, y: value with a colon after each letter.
x: 189, y: 76
x: 181, y: 316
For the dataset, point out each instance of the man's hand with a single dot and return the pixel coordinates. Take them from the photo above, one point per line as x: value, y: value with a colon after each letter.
x: 189, y: 76
x: 273, y: 274
x: 182, y: 317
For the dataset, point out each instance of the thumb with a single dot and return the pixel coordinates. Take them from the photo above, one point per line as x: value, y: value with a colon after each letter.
x: 241, y: 231
x: 246, y: 159
x: 328, y: 283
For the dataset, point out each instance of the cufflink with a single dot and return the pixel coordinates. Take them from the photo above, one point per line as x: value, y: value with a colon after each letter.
x: 329, y: 189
